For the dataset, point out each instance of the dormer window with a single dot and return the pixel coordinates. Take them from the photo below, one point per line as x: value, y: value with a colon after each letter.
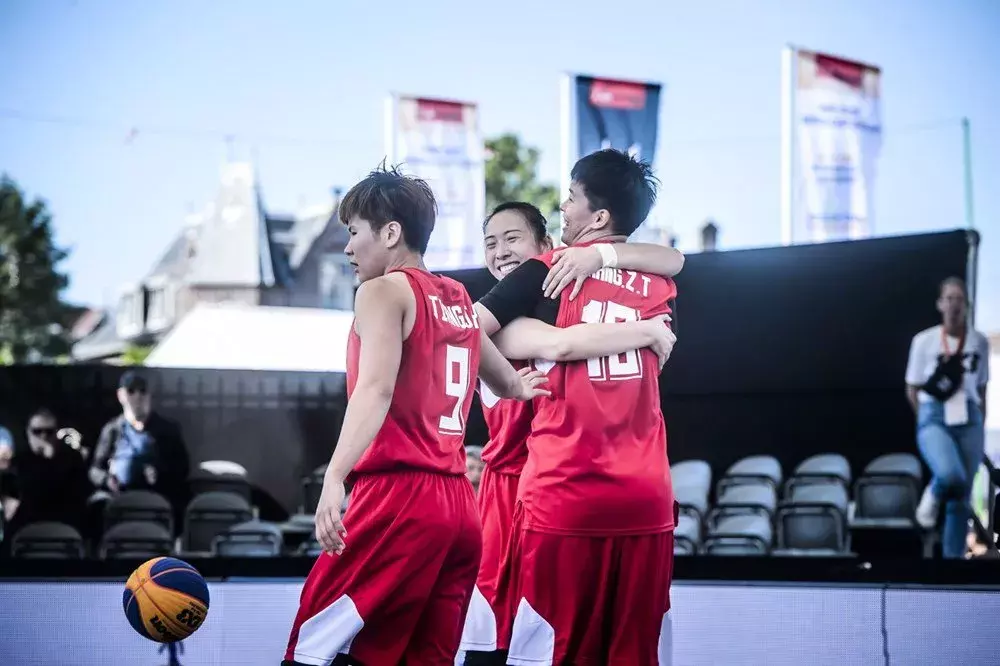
x: 129, y: 318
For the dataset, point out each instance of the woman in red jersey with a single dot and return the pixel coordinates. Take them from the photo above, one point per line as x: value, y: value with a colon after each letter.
x: 513, y: 233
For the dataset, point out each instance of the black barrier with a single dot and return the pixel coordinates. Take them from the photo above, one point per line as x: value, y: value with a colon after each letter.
x: 278, y: 425
x: 802, y: 350
x: 783, y: 351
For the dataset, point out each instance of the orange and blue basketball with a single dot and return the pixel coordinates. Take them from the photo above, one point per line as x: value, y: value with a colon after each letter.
x: 165, y: 600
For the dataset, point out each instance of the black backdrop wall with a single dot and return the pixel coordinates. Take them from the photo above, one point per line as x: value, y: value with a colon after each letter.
x: 786, y: 351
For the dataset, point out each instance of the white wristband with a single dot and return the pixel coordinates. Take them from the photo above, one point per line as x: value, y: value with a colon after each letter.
x: 609, y: 257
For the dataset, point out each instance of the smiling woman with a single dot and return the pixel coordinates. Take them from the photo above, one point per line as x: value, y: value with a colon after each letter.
x: 513, y: 233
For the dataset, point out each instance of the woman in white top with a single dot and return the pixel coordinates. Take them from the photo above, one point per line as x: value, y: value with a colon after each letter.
x: 946, y: 384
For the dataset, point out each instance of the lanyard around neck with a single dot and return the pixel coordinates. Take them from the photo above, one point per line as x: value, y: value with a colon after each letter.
x: 944, y: 344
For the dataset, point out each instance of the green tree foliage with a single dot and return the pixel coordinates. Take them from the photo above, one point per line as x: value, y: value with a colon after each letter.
x: 512, y: 175
x: 136, y: 354
x: 33, y: 321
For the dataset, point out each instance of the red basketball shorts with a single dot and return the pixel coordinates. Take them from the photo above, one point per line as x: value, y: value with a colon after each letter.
x: 400, y: 590
x: 497, y: 497
x: 587, y: 601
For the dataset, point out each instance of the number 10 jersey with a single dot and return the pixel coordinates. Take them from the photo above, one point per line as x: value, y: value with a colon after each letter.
x: 425, y: 427
x: 597, y: 454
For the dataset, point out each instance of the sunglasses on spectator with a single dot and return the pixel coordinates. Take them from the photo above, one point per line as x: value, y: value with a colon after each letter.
x: 136, y: 390
x: 43, y: 432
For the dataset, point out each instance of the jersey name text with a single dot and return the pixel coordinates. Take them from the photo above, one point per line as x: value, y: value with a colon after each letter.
x: 632, y: 281
x: 458, y: 316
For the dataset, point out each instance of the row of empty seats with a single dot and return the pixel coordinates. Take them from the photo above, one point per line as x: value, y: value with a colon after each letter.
x: 757, y: 511
x: 219, y: 521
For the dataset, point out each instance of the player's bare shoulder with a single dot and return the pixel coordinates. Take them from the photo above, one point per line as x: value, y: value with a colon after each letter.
x: 388, y: 290
x: 387, y: 294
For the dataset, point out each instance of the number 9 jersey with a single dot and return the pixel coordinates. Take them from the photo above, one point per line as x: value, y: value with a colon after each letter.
x: 597, y: 462
x: 425, y: 427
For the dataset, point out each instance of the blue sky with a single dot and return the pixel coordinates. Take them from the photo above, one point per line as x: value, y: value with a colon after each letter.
x: 300, y: 86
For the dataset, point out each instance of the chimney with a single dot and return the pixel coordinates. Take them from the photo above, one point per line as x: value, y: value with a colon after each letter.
x: 709, y: 236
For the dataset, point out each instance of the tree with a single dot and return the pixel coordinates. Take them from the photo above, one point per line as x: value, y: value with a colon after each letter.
x: 33, y: 320
x: 511, y: 175
x: 136, y: 354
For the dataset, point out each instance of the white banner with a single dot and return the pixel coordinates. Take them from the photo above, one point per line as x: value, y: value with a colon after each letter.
x: 440, y: 142
x: 838, y: 132
x: 82, y: 624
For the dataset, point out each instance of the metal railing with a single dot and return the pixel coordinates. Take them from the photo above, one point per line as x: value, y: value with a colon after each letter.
x: 986, y: 533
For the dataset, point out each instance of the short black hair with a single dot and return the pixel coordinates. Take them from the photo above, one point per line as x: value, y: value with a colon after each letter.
x: 620, y: 184
x: 532, y: 216
x: 385, y: 195
x: 953, y: 282
x: 45, y: 413
x: 133, y: 381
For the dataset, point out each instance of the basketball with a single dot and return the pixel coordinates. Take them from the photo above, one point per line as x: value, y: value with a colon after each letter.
x: 165, y: 600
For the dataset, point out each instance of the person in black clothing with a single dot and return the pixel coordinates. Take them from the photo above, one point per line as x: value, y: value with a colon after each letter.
x: 141, y: 449
x: 46, y: 480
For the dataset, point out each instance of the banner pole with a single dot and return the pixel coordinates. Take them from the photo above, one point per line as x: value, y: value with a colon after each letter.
x: 567, y: 137
x: 788, y: 82
x: 970, y: 220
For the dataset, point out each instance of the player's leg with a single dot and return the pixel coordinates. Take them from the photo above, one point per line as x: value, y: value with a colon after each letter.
x: 497, y: 497
x: 565, y: 595
x: 367, y: 601
x: 435, y: 639
x: 640, y: 624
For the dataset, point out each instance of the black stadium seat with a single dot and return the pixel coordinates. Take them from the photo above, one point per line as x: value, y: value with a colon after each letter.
x: 885, y: 501
x: 250, y: 539
x: 210, y: 514
x: 822, y: 468
x: 136, y: 540
x: 687, y: 535
x: 813, y: 521
x: 204, y: 481
x: 740, y: 535
x: 47, y: 540
x: 139, y: 505
x: 752, y: 469
x: 312, y: 487
x: 749, y: 498
x: 888, y: 490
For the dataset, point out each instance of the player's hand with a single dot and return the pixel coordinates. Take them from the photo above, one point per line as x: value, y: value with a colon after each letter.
x: 330, y: 530
x: 529, y: 385
x: 664, y: 339
x: 150, y: 473
x: 568, y: 265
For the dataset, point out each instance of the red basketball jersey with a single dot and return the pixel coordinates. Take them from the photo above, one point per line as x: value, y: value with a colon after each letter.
x: 425, y: 426
x: 509, y: 424
x: 597, y: 462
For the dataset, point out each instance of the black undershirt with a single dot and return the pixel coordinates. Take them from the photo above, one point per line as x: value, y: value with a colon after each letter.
x: 520, y: 295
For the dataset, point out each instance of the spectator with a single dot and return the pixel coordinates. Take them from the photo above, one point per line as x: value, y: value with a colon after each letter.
x: 946, y: 385
x: 6, y: 477
x: 46, y: 480
x: 140, y: 449
x: 474, y: 465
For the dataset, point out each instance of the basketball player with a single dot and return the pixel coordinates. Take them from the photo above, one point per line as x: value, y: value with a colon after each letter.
x: 394, y: 583
x: 515, y: 232
x: 587, y: 574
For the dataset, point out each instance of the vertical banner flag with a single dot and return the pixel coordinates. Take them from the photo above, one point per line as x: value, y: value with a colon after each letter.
x: 838, y: 132
x: 440, y: 141
x: 608, y: 113
x: 617, y: 114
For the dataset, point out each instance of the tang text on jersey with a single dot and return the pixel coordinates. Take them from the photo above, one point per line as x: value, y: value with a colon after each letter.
x: 637, y: 283
x: 458, y: 316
